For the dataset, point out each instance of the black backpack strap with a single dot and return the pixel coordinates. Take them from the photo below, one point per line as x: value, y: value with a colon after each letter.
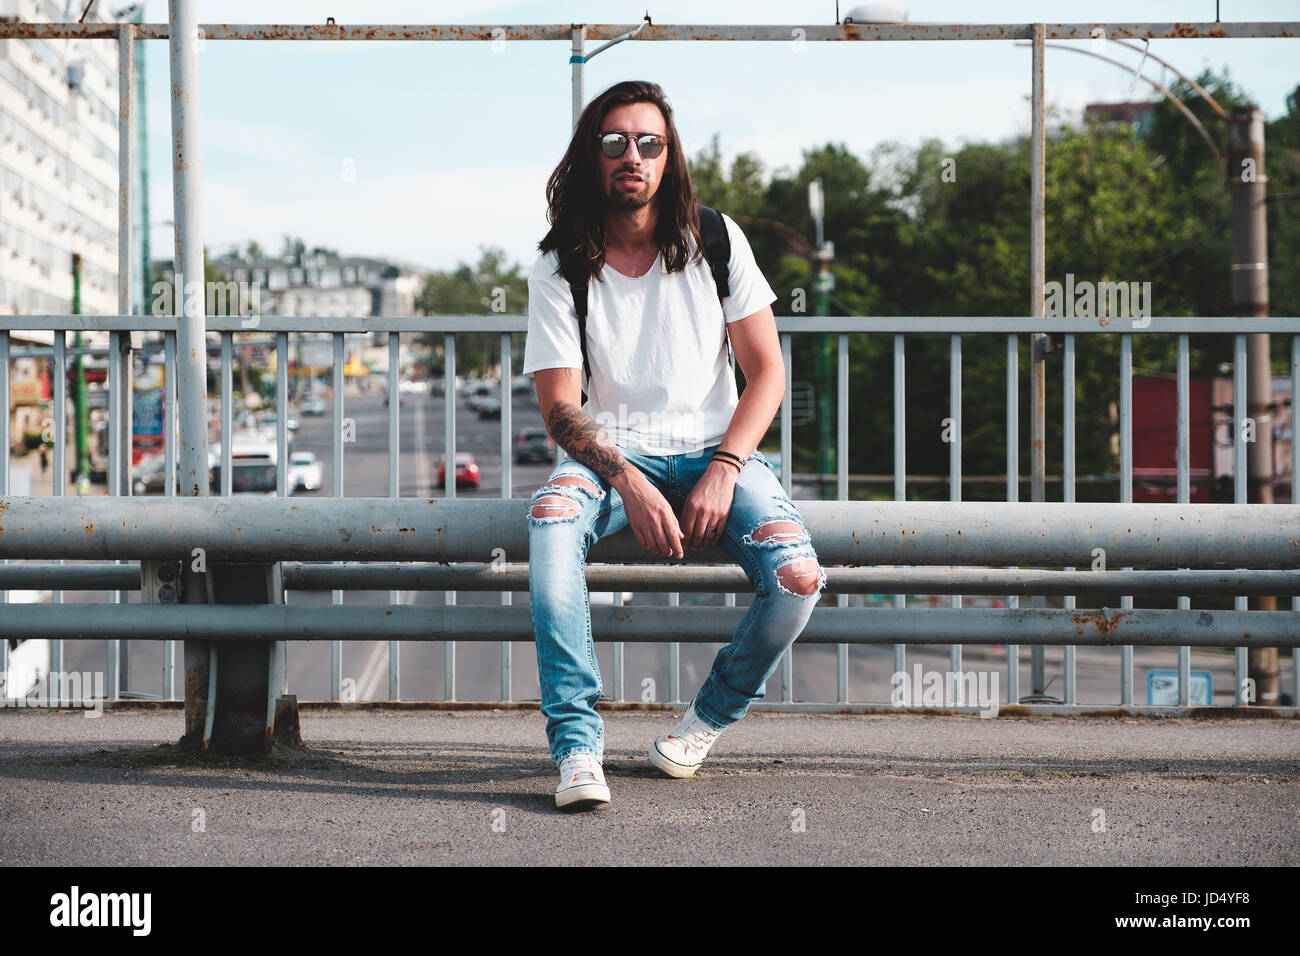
x: 578, y: 287
x: 717, y: 249
x: 579, y: 290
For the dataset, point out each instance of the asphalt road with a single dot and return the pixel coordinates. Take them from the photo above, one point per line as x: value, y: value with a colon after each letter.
x: 477, y: 788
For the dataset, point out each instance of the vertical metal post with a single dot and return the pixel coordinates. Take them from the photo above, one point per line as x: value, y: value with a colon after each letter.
x: 278, y: 669
x: 169, y: 468
x: 1240, y: 484
x: 449, y: 456
x: 1067, y: 495
x: 282, y: 488
x: 1295, y: 492
x: 336, y: 596
x: 114, y: 682
x: 1183, y: 457
x: 1126, y: 494
x: 787, y: 467
x: 1248, y: 187
x: 169, y: 417
x: 507, y: 482
x: 187, y: 189
x: 394, y: 489
x: 900, y: 464
x: 1037, y: 280
x: 119, y: 392
x: 226, y: 391
x: 577, y: 61
x: 189, y: 408
x: 1013, y: 475
x: 786, y: 428
x: 842, y: 493
x: 59, y: 464
x: 954, y: 494
x: 617, y: 683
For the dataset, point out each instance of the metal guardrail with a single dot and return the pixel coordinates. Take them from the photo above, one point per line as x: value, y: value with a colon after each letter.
x: 183, y: 336
x: 911, y: 533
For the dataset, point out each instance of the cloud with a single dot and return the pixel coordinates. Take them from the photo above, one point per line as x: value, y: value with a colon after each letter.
x: 439, y: 217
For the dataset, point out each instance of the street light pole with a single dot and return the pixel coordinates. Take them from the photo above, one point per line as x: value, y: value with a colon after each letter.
x: 1247, y: 186
x: 81, y: 477
x: 821, y: 306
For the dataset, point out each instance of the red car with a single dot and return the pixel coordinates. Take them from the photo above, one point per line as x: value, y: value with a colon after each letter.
x: 466, y: 470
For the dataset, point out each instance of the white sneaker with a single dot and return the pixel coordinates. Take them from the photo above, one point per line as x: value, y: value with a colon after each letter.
x: 582, y: 783
x: 680, y: 752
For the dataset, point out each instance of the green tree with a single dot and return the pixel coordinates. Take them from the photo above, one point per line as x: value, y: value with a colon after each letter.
x: 492, y: 286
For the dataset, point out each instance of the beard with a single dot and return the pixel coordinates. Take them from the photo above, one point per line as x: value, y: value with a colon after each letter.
x: 623, y: 199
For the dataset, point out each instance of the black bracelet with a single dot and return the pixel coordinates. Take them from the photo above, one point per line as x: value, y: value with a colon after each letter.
x: 726, y: 454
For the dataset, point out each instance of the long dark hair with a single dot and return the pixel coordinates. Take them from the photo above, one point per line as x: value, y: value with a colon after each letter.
x: 576, y: 204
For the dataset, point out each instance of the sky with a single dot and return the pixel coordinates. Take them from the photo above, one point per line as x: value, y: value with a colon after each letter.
x: 426, y: 152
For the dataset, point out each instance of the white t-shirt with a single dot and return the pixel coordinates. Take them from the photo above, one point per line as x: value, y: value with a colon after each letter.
x: 660, y: 380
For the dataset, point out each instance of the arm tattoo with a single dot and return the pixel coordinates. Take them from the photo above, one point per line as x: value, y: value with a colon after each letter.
x: 582, y: 438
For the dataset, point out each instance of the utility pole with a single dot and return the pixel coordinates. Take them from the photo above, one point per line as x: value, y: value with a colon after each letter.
x: 81, y: 477
x: 1247, y: 186
x: 821, y: 306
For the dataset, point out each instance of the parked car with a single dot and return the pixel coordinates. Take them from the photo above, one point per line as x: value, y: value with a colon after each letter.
x: 267, y: 421
x: 478, y: 394
x: 313, y: 406
x: 533, y: 444
x: 252, y: 467
x: 489, y: 407
x: 521, y: 385
x: 304, y: 471
x: 147, y: 475
x: 466, y: 470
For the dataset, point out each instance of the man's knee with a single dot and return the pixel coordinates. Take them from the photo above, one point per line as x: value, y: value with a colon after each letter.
x: 800, y: 574
x: 547, y: 504
x: 779, y: 530
x: 554, y: 506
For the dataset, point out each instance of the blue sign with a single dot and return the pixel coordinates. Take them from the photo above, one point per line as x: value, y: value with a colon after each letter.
x: 1162, y: 688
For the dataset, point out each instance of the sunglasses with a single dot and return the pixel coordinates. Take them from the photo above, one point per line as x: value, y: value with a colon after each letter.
x: 614, y: 144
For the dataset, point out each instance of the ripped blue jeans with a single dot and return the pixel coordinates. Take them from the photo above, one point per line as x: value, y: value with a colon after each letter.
x: 765, y: 535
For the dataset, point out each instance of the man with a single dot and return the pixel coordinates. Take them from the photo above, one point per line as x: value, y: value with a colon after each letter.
x: 661, y: 433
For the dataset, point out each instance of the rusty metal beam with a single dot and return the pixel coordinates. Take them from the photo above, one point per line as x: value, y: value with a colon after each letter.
x: 227, y: 625
x: 1048, y: 534
x: 424, y: 576
x: 667, y: 32
x: 903, y: 324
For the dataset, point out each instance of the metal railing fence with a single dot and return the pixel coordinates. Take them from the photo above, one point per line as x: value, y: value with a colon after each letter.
x: 1262, y: 571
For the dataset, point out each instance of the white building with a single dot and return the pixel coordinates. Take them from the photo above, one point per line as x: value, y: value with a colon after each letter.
x: 317, y: 283
x: 58, y: 166
x: 58, y: 184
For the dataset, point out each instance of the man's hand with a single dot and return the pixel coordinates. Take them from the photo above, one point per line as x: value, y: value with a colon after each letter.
x: 704, y: 517
x: 650, y: 516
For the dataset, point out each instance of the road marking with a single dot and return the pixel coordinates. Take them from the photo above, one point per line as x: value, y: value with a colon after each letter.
x: 376, y: 668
